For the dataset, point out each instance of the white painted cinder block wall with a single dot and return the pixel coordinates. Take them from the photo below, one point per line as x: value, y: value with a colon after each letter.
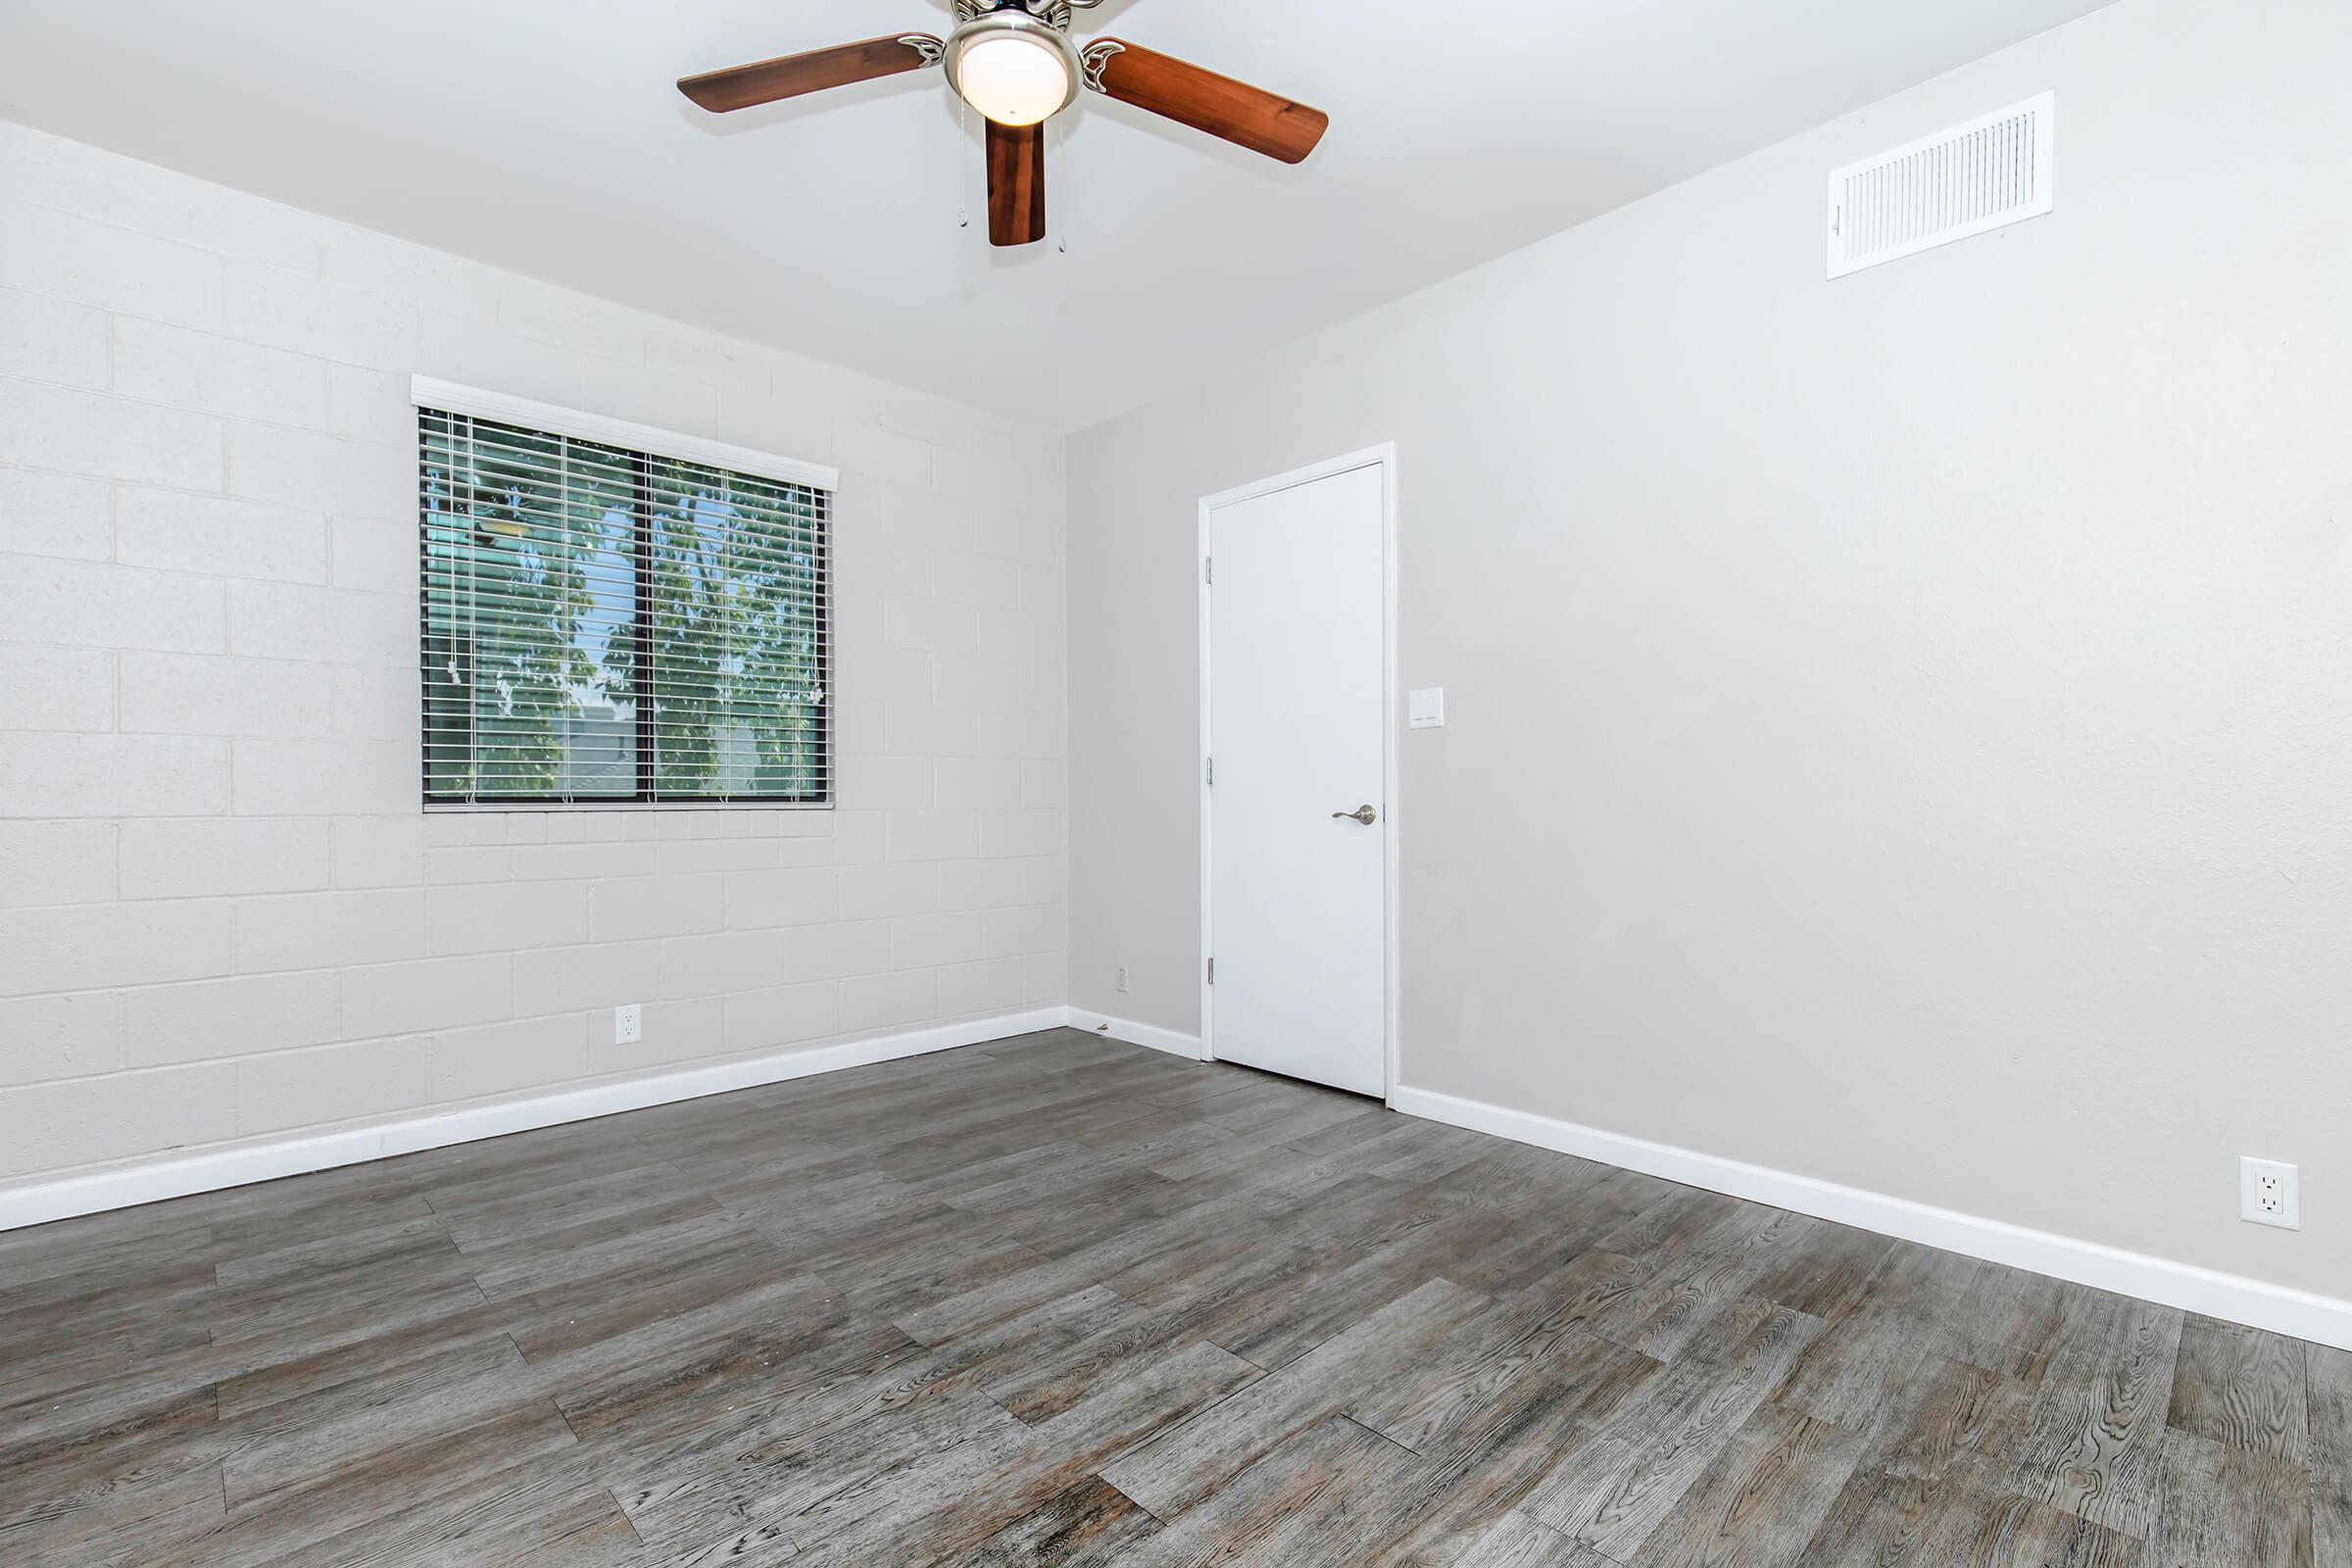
x: 224, y: 916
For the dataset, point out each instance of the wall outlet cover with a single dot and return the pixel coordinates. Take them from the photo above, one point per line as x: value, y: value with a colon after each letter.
x: 1118, y: 978
x: 628, y: 1024
x: 2270, y: 1193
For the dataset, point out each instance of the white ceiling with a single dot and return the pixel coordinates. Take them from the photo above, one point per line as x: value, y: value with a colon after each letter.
x: 545, y: 135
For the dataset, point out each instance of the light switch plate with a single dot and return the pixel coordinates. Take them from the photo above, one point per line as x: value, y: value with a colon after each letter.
x: 1426, y: 708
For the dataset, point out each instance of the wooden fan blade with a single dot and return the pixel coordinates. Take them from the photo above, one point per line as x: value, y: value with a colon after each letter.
x: 1016, y: 184
x: 1249, y: 116
x: 745, y: 86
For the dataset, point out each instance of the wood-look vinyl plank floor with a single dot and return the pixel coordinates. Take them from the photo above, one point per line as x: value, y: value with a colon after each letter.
x: 1059, y: 1300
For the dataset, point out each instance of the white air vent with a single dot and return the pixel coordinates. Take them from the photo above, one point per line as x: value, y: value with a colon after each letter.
x: 1958, y: 182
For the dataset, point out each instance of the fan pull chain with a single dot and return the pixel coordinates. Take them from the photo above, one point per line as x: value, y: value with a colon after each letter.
x: 963, y: 144
x: 1062, y: 180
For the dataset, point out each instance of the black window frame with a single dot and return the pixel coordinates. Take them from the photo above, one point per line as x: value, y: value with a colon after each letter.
x: 644, y: 683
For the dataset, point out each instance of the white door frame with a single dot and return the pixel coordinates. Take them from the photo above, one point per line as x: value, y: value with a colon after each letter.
x: 1383, y: 456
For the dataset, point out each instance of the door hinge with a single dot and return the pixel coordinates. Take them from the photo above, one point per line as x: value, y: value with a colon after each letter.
x: 1212, y: 971
x: 1212, y: 770
x: 1209, y: 568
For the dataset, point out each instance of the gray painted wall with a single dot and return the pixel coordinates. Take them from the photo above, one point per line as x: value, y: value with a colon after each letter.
x: 1901, y: 729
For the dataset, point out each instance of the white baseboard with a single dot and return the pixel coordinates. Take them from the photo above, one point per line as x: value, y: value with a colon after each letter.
x: 2302, y: 1314
x: 1139, y: 1034
x: 40, y: 1203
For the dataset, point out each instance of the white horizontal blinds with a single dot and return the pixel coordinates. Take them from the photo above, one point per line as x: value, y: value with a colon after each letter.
x: 738, y: 573
x: 529, y: 606
x: 601, y: 624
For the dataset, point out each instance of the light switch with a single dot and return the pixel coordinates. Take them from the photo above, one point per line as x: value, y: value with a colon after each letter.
x: 1426, y: 709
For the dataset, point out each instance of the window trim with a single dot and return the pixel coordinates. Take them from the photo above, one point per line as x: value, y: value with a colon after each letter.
x: 645, y: 441
x: 451, y: 397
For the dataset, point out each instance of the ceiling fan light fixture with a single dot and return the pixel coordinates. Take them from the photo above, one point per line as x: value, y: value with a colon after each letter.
x: 1015, y: 69
x: 1013, y: 61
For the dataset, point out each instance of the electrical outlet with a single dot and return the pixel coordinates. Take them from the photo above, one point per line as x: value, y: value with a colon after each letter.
x: 1118, y: 978
x: 628, y: 1024
x: 2269, y: 1194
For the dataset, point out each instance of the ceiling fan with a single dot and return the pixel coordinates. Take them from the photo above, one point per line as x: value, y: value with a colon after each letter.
x: 1015, y: 62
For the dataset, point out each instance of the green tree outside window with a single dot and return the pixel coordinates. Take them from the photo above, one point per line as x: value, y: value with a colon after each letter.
x: 601, y: 624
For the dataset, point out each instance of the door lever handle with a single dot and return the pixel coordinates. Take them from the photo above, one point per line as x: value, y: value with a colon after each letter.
x: 1362, y: 814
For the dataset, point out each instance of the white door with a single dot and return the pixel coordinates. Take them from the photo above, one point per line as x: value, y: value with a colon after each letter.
x: 1297, y: 808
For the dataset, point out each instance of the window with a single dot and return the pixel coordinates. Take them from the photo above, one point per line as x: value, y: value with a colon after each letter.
x: 606, y: 623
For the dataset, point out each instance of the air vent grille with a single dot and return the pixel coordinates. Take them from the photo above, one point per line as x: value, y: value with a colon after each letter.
x: 1962, y: 181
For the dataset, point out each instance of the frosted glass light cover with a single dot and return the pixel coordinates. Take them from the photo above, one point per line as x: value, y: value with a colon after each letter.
x: 1012, y: 80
